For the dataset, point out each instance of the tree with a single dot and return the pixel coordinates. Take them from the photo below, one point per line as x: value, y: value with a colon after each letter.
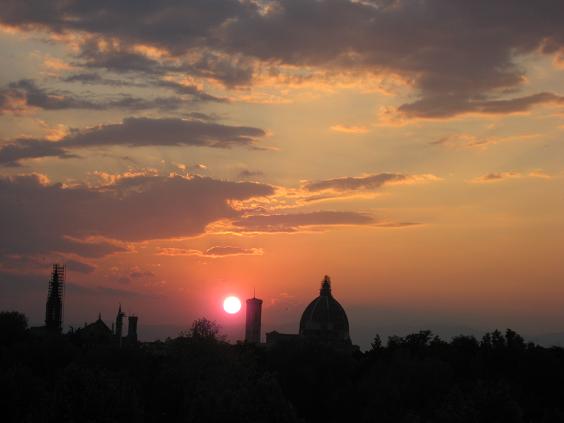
x: 203, y: 329
x: 376, y: 344
x: 13, y: 325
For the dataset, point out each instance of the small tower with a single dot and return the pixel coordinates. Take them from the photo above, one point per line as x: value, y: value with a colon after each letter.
x: 55, y: 296
x: 132, y: 329
x: 119, y: 325
x: 325, y: 286
x: 252, y: 323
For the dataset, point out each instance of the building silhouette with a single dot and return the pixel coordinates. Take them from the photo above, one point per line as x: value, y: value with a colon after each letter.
x: 132, y: 329
x: 324, y: 320
x: 95, y: 333
x: 324, y: 317
x: 252, y: 321
x: 55, y: 297
x: 118, y: 330
x: 98, y: 333
x: 119, y: 325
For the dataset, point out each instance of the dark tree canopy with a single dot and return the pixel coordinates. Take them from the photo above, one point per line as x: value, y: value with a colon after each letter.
x: 198, y: 377
x: 204, y: 329
x: 12, y: 326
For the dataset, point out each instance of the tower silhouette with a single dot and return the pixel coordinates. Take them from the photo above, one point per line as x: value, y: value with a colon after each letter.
x: 132, y: 329
x: 253, y: 317
x: 55, y: 296
x: 119, y: 325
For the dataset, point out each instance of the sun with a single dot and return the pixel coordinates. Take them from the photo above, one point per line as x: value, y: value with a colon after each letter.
x: 232, y: 305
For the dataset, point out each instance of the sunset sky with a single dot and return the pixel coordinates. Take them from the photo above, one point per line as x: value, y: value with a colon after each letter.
x: 173, y: 153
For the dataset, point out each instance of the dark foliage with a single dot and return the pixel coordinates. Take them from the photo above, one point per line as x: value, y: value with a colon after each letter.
x: 13, y: 326
x: 197, y: 377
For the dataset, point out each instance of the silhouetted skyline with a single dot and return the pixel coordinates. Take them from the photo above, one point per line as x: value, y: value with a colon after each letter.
x: 171, y: 154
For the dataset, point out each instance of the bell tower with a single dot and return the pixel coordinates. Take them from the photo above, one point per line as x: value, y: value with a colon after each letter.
x: 253, y: 320
x: 54, y: 306
x: 119, y: 325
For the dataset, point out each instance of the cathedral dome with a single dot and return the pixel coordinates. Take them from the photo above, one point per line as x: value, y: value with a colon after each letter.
x: 324, y: 317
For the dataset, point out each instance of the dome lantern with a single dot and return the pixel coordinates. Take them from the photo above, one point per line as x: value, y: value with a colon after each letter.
x: 325, y: 286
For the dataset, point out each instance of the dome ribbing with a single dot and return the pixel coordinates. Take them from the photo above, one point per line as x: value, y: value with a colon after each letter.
x: 324, y: 317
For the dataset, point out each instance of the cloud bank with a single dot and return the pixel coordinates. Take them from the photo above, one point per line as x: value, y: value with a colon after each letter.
x: 461, y: 57
x: 134, y: 132
x: 93, y: 222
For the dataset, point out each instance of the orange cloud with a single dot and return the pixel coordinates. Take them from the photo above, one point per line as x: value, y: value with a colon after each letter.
x: 55, y: 65
x: 504, y: 176
x: 367, y: 182
x: 482, y: 142
x: 307, y: 221
x: 217, y: 251
x: 348, y: 129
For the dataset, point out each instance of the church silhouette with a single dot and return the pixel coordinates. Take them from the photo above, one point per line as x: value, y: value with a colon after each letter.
x: 324, y: 320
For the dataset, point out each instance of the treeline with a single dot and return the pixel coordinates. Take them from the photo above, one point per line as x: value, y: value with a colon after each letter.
x: 197, y: 377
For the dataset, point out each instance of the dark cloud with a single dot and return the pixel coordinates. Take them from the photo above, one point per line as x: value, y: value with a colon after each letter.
x: 127, y: 102
x: 19, y: 96
x: 245, y: 173
x: 295, y: 221
x: 95, y: 79
x: 447, y: 106
x: 460, y: 55
x: 230, y: 70
x: 43, y: 217
x: 134, y: 132
x: 351, y: 183
x: 165, y: 131
x: 202, y: 116
x: 191, y: 90
x: 329, y: 188
x: 78, y: 266
x: 15, y: 262
x: 11, y: 154
x: 118, y: 61
x: 181, y: 89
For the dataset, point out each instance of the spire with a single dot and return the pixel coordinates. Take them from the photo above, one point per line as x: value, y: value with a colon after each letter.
x: 99, y: 316
x: 119, y: 311
x: 325, y: 286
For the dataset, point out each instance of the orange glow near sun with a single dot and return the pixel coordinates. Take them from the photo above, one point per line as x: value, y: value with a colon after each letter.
x: 232, y: 305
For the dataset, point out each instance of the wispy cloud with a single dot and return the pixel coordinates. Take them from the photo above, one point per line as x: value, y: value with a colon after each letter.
x: 134, y: 132
x: 463, y: 140
x: 26, y: 96
x: 350, y: 129
x: 292, y: 222
x: 367, y: 182
x: 217, y: 251
x: 504, y: 176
